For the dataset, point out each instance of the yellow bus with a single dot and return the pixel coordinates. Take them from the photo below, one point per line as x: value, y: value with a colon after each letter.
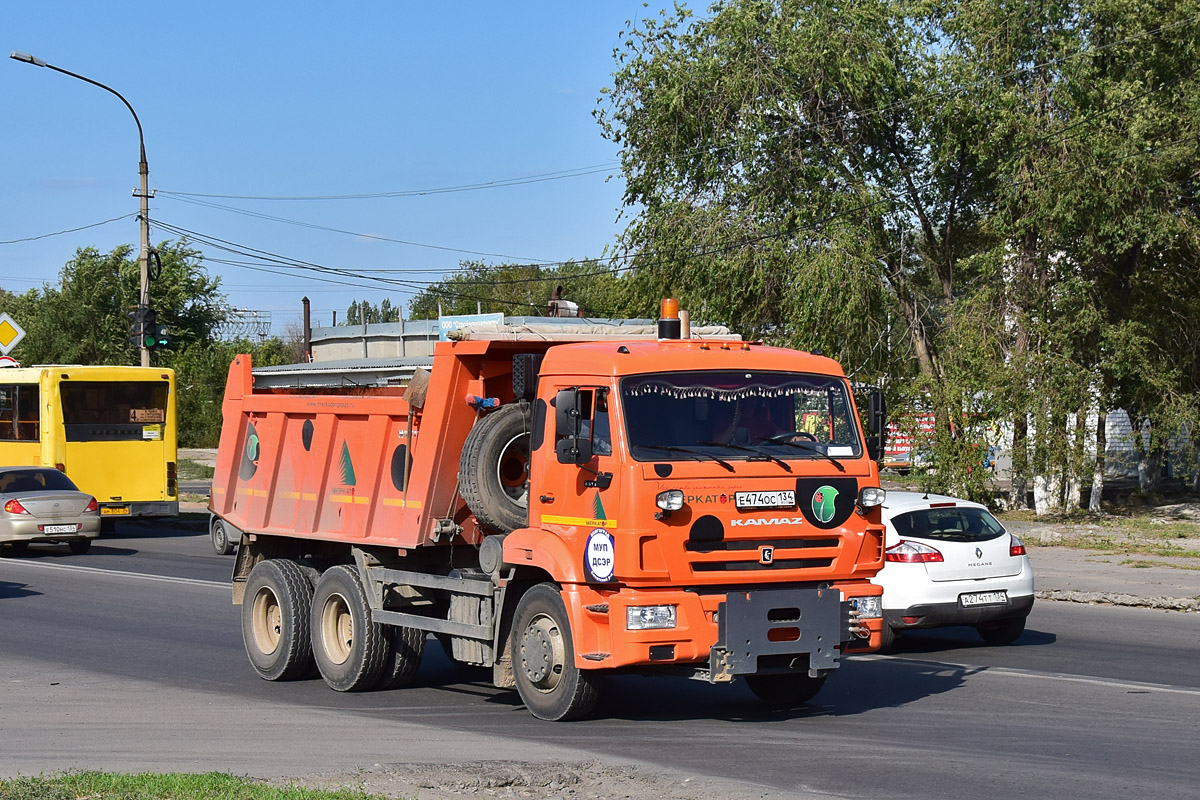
x: 111, y: 429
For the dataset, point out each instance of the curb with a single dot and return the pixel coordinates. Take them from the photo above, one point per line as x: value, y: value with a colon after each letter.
x: 1118, y: 599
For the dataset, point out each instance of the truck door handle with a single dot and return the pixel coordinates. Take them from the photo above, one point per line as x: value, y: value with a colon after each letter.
x: 547, y: 498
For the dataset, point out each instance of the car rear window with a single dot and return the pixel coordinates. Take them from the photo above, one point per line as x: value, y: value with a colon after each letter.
x: 949, y: 524
x: 34, y: 480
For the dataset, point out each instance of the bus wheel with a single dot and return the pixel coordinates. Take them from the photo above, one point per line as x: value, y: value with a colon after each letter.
x: 550, y: 684
x: 784, y: 691
x: 406, y: 646
x: 220, y: 537
x: 349, y: 648
x: 493, y: 470
x: 275, y: 620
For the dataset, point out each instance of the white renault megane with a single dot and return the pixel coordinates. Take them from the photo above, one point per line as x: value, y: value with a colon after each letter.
x: 950, y: 562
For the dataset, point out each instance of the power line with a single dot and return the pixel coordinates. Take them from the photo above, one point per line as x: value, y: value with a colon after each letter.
x: 576, y: 172
x: 356, y: 234
x: 71, y: 230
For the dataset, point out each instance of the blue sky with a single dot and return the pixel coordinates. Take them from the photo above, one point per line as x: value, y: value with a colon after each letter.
x: 302, y: 99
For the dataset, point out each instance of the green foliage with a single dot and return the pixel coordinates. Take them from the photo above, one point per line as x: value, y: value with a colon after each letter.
x: 84, y: 320
x: 522, y: 290
x: 365, y: 312
x: 992, y: 206
x: 200, y: 375
x: 155, y: 786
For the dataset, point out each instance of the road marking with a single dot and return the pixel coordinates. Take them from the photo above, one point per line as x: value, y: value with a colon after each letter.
x: 123, y: 573
x: 1046, y: 676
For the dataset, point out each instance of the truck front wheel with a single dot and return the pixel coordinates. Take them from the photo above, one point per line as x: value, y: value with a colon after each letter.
x: 550, y: 684
x: 784, y: 691
x: 349, y: 648
x: 275, y: 620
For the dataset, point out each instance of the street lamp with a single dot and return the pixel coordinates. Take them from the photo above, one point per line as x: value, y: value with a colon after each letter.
x: 143, y: 194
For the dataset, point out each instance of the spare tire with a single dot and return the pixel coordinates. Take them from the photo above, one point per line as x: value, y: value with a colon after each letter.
x: 493, y: 473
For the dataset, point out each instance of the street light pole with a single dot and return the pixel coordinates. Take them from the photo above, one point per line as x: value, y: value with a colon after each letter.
x: 143, y: 192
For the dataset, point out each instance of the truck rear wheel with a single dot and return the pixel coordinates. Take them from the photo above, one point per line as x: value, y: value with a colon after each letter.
x: 406, y: 646
x: 550, y: 684
x: 275, y: 620
x: 784, y: 691
x: 349, y: 648
x: 493, y: 473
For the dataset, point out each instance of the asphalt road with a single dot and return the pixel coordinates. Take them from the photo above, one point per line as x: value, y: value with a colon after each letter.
x: 130, y: 658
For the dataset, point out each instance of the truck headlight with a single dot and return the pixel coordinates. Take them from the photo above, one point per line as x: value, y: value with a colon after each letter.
x: 670, y: 500
x: 645, y: 618
x: 871, y: 496
x: 867, y: 607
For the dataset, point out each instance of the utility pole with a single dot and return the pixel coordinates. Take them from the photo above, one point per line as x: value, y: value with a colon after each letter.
x: 143, y: 192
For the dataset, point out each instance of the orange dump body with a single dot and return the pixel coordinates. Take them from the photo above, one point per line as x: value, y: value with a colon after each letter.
x: 333, y: 465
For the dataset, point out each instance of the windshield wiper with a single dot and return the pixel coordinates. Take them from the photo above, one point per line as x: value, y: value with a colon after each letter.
x: 808, y: 448
x: 760, y: 455
x: 691, y: 451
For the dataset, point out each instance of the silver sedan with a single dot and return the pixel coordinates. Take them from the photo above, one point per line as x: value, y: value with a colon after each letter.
x: 39, y: 504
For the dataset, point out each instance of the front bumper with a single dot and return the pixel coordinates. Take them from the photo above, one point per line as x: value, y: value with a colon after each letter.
x: 723, y: 634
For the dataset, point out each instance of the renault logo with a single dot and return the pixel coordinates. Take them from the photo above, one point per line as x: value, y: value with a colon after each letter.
x: 766, y: 554
x: 979, y: 552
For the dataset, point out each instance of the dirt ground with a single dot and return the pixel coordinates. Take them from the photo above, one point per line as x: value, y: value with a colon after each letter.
x: 514, y: 780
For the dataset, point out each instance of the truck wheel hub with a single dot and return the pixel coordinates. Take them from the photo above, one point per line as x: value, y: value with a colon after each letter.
x: 543, y: 653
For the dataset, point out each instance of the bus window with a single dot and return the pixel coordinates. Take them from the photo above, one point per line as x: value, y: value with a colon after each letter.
x: 111, y: 409
x: 19, y: 413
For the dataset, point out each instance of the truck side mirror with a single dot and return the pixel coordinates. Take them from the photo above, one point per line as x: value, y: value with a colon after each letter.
x: 569, y: 446
x: 876, y: 424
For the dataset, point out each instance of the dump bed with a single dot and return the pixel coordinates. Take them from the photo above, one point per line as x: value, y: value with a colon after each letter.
x: 371, y: 464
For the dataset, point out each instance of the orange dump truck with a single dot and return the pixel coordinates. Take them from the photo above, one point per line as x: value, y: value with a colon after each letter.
x: 557, y: 507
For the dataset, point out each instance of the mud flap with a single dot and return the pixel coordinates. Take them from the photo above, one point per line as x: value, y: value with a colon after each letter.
x: 775, y: 631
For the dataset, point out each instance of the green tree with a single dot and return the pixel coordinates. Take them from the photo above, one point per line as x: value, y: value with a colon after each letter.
x: 84, y: 320
x: 201, y: 371
x: 521, y: 290
x: 360, y: 313
x: 801, y: 172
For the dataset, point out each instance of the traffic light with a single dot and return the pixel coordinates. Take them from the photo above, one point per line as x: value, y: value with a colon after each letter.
x: 153, y: 334
x: 144, y: 330
x: 157, y: 338
x: 137, y: 326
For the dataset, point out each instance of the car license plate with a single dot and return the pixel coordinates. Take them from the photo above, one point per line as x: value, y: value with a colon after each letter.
x: 983, y: 599
x: 60, y: 528
x: 114, y: 511
x: 781, y: 499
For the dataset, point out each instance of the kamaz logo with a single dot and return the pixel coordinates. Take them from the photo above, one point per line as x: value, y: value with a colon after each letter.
x: 738, y: 523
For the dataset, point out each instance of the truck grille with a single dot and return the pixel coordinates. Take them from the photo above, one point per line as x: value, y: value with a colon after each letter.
x: 711, y: 548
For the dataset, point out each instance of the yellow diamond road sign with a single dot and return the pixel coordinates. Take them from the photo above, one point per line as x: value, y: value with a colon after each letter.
x: 10, y: 333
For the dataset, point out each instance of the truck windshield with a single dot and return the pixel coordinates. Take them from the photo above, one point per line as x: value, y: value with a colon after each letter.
x: 739, y: 415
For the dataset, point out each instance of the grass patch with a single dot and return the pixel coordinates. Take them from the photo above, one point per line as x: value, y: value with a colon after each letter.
x: 190, y: 470
x: 150, y: 786
x: 1136, y: 564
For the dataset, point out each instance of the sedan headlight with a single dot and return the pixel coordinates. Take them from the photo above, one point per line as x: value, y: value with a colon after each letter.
x: 645, y: 618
